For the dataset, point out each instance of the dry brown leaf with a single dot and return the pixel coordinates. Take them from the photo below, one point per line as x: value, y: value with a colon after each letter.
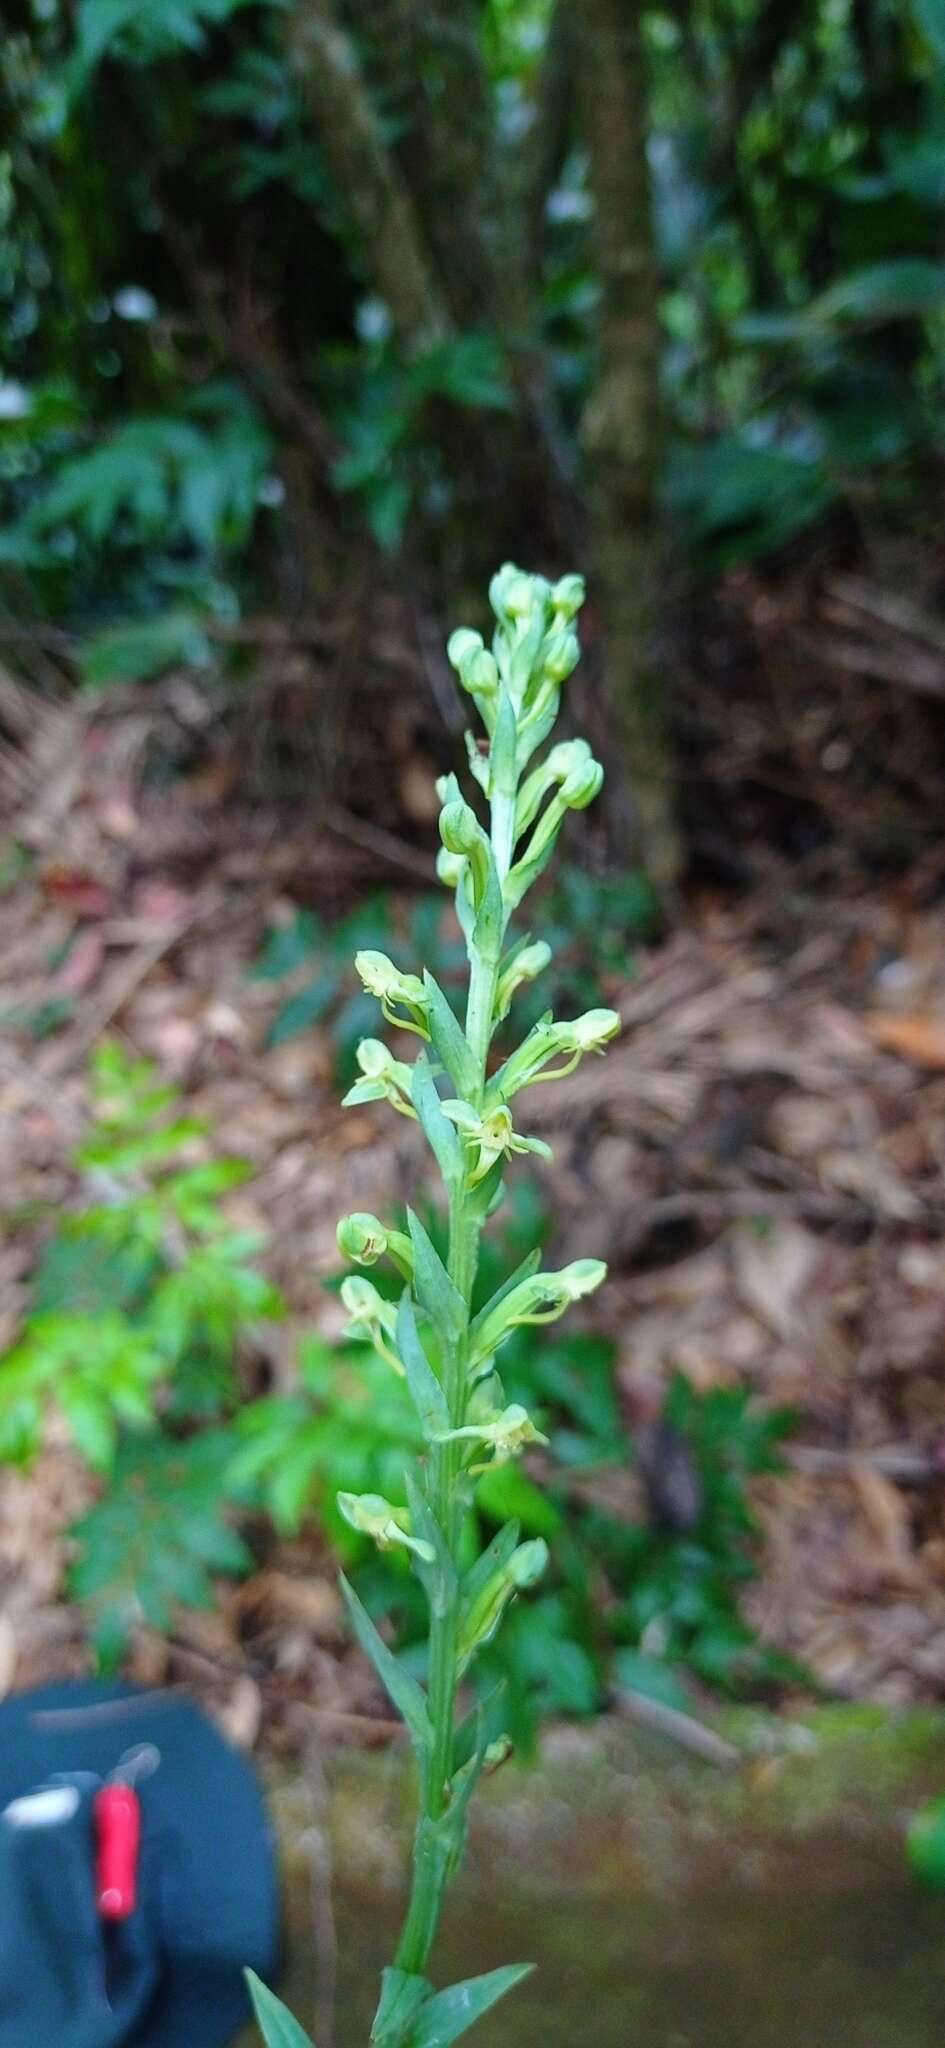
x: 772, y: 1272
x: 868, y: 1176
x: 921, y: 1040
x: 241, y: 1714
x: 887, y: 1515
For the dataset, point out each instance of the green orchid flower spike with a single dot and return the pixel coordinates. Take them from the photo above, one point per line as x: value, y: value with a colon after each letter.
x: 444, y: 1348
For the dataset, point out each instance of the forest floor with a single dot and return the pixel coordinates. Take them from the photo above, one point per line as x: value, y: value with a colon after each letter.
x: 760, y: 1159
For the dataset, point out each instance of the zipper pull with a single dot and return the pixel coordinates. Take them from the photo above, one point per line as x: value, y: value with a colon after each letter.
x: 117, y: 1811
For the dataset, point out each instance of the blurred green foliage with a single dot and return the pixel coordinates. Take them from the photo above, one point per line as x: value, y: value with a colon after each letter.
x: 145, y: 1300
x: 166, y: 203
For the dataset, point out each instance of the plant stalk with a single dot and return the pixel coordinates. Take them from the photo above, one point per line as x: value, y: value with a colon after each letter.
x: 430, y: 1874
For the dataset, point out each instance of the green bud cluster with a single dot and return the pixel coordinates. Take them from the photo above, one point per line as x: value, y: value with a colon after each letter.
x: 461, y: 1098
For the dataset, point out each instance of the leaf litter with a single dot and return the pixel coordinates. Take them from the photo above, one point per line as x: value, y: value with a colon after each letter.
x: 762, y: 1157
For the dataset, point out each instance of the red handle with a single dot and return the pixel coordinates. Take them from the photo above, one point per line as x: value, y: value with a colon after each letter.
x: 118, y: 1828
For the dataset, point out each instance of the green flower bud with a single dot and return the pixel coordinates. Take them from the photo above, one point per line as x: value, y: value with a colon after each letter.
x: 484, y: 1612
x: 548, y: 1041
x: 382, y: 979
x: 580, y: 1278
x: 526, y: 966
x: 540, y: 1299
x: 362, y: 1237
x: 567, y: 757
x: 582, y: 786
x: 520, y: 597
x: 449, y: 868
x: 460, y: 829
x: 561, y: 656
x: 567, y: 596
x: 396, y: 992
x: 462, y: 833
x: 514, y: 595
x: 528, y: 1563
x: 481, y: 674
x: 591, y: 1032
x: 461, y: 644
x: 496, y: 1754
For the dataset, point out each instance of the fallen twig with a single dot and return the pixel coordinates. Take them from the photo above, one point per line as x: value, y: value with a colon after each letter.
x: 681, y: 1728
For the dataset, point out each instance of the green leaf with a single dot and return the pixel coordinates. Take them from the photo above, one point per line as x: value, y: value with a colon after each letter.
x: 402, y: 1995
x: 91, y: 1419
x: 448, y: 2014
x: 652, y: 1678
x: 904, y: 287
x: 926, y: 1845
x: 157, y: 1533
x: 279, y: 2029
x: 140, y: 648
x: 450, y: 1039
x: 435, y: 1290
x: 493, y: 1559
x: 426, y: 1392
x: 309, y: 1006
x: 529, y: 1265
x: 439, y: 1578
x: 505, y: 1490
x: 403, y: 1690
x: 439, y: 1132
x: 287, y: 947
x: 930, y: 15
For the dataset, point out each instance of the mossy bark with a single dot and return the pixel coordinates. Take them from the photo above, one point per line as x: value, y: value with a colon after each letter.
x: 620, y: 428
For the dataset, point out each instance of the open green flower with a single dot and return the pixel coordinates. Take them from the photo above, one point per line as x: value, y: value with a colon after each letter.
x: 397, y: 993
x: 373, y: 1516
x: 383, y: 1079
x: 504, y: 1435
x: 490, y: 1137
x: 371, y: 1319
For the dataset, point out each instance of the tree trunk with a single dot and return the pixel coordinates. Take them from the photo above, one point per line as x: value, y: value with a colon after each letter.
x: 620, y: 425
x: 426, y: 62
x: 366, y: 172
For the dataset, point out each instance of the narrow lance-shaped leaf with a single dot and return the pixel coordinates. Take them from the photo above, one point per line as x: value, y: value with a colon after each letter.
x: 403, y: 1690
x: 279, y: 2028
x: 439, y: 1132
x: 439, y: 1578
x: 435, y: 1290
x: 450, y: 2013
x: 426, y: 1392
x: 402, y: 1995
x: 529, y: 1265
x: 493, y: 1559
x: 449, y: 1039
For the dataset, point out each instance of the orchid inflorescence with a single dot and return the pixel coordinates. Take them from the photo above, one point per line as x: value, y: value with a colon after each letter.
x: 444, y: 1350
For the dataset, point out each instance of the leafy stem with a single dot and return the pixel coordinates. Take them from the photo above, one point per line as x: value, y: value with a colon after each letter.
x: 446, y: 1353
